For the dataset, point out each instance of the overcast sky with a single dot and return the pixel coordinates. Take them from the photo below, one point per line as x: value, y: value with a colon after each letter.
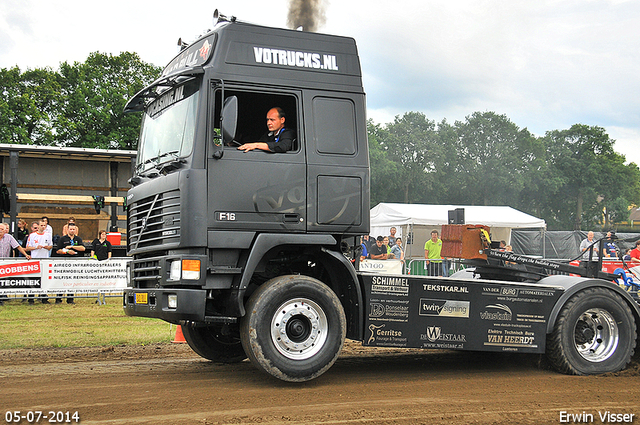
x: 545, y: 64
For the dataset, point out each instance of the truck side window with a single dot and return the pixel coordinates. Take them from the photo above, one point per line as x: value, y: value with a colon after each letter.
x: 334, y: 127
x: 252, y: 111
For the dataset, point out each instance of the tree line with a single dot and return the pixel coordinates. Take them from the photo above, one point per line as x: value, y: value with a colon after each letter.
x: 78, y: 105
x: 572, y: 178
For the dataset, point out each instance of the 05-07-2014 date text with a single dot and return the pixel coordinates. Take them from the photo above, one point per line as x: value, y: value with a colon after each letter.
x: 38, y: 416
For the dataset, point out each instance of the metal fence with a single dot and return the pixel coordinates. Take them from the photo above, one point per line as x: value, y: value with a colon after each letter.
x: 101, y: 297
x: 419, y: 267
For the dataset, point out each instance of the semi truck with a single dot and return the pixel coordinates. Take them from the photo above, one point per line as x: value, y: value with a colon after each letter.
x: 256, y: 254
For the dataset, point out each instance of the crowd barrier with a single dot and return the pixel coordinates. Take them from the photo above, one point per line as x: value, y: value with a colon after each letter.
x: 382, y: 266
x: 61, y: 277
x: 448, y: 266
x: 417, y: 267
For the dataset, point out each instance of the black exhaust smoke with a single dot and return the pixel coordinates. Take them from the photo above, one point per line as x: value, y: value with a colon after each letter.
x: 308, y: 14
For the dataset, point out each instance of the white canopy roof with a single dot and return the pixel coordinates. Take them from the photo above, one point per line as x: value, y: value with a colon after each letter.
x: 384, y: 214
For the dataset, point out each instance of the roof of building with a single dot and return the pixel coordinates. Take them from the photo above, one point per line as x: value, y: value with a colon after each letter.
x: 57, y: 152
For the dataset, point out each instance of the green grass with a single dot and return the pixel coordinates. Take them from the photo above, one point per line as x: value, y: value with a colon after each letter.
x: 83, y: 324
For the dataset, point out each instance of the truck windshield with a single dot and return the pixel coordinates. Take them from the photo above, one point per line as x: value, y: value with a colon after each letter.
x: 168, y: 127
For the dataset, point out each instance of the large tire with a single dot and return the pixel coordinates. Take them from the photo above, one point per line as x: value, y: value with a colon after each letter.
x: 594, y: 333
x: 294, y: 328
x: 213, y: 344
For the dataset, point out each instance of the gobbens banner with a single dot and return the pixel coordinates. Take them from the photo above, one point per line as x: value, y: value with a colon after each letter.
x: 40, y: 276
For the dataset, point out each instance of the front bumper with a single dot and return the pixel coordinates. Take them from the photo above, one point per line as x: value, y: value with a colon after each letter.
x: 190, y: 305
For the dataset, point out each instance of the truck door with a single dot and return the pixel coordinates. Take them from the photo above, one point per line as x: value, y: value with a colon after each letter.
x: 256, y: 190
x: 338, y: 163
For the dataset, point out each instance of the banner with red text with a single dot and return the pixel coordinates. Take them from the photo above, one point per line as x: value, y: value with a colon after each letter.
x: 41, y: 276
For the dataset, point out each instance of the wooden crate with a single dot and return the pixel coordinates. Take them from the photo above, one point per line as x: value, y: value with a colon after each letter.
x: 463, y: 241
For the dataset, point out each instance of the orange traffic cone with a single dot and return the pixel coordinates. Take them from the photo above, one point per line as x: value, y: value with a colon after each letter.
x: 179, y: 338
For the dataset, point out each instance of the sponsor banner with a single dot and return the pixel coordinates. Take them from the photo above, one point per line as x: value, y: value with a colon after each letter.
x: 428, y: 312
x: 443, y: 308
x: 381, y: 266
x: 41, y: 276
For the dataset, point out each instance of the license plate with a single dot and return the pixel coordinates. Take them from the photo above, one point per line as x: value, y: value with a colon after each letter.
x: 142, y: 298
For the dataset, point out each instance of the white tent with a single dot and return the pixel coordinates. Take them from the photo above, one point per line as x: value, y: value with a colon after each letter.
x: 415, y: 221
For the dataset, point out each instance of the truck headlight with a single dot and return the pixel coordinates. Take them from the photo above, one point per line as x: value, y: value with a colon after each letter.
x: 175, y: 272
x: 184, y: 269
x: 191, y: 269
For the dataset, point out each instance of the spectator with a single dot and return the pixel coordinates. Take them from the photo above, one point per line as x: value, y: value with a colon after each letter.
x: 21, y: 235
x: 39, y: 244
x: 65, y: 228
x: 368, y: 241
x: 610, y: 248
x: 70, y: 246
x: 392, y: 236
x: 48, y: 229
x: 503, y: 245
x: 365, y: 248
x: 101, y: 247
x: 378, y: 251
x: 627, y: 255
x: 508, y: 248
x: 634, y: 254
x: 385, y: 242
x: 397, y: 250
x: 585, y: 247
x: 8, y: 243
x: 432, y: 249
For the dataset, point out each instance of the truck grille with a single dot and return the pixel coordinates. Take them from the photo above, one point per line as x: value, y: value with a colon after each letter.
x: 154, y: 221
x: 146, y: 272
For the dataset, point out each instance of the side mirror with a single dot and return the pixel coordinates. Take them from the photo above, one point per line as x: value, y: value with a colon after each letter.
x: 229, y: 119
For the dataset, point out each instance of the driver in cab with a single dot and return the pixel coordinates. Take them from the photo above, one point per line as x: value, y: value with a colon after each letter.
x: 278, y: 139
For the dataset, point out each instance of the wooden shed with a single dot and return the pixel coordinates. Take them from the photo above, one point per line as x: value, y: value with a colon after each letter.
x: 61, y: 182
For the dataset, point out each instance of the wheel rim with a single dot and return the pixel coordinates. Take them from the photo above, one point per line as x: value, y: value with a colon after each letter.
x: 299, y: 329
x: 596, y: 335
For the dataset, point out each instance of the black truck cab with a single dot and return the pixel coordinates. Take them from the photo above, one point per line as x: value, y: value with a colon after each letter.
x: 208, y: 223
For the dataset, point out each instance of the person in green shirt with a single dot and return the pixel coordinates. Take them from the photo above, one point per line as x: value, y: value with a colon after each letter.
x: 432, y: 250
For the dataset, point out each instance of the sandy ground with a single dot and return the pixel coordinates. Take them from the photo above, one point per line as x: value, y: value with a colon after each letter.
x: 169, y: 384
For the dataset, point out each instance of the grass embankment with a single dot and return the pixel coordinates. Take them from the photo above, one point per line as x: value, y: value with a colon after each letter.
x: 83, y: 324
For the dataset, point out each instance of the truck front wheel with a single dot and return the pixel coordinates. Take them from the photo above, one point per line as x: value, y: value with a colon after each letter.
x: 294, y: 328
x: 595, y: 333
x: 215, y: 342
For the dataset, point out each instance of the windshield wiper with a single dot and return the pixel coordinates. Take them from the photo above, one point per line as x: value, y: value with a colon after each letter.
x: 160, y: 167
x: 172, y: 153
x: 148, y: 161
x: 174, y: 164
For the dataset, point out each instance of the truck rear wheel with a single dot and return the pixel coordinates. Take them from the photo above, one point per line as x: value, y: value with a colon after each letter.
x: 595, y: 333
x: 215, y: 343
x: 294, y: 328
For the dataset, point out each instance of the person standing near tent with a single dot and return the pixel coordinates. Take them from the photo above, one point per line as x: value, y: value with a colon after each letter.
x: 610, y: 248
x: 378, y: 251
x: 397, y: 250
x: 432, y: 249
x: 392, y: 236
x: 585, y: 248
x: 634, y: 254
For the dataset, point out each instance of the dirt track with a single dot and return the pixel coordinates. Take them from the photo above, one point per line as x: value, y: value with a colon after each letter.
x: 168, y: 384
